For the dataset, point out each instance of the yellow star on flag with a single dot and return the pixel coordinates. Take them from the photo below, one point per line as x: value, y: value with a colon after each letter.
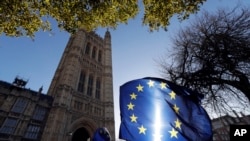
x: 172, y: 95
x: 176, y: 109
x: 151, y: 83
x: 163, y: 85
x: 177, y: 123
x: 173, y: 133
x: 133, y: 118
x: 130, y: 106
x: 133, y: 96
x: 142, y: 130
x: 139, y: 88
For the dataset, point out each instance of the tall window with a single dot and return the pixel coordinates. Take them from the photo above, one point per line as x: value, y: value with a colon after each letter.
x: 87, y: 48
x: 32, y: 132
x: 78, y: 105
x: 20, y: 105
x: 100, y: 56
x: 94, y: 52
x: 39, y: 113
x: 98, y: 88
x: 90, y: 86
x: 9, y: 126
x: 81, y: 82
x: 88, y: 108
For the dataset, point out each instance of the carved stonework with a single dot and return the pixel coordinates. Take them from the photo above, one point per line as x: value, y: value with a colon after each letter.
x: 82, y: 88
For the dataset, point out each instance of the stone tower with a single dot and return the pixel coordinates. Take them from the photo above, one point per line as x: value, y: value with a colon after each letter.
x: 82, y: 89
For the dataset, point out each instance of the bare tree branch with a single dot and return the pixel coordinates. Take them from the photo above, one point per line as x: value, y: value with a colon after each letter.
x: 212, y: 56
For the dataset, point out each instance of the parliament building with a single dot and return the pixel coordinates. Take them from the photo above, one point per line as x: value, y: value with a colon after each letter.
x: 79, y: 99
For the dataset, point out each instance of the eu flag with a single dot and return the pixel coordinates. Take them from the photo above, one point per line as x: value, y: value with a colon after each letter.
x: 101, y: 134
x: 153, y: 109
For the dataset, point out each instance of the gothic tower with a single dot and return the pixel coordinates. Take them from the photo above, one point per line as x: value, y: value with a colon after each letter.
x: 82, y: 89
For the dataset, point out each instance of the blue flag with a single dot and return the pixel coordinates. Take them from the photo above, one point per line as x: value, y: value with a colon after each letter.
x: 101, y: 134
x: 154, y: 109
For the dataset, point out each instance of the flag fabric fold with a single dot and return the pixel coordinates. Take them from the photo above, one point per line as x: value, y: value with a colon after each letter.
x: 154, y: 109
x: 101, y: 134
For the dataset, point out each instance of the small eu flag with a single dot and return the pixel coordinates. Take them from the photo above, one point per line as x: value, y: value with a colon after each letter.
x: 101, y: 134
x: 153, y: 109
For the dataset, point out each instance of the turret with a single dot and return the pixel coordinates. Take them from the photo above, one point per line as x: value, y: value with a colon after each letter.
x: 108, y: 88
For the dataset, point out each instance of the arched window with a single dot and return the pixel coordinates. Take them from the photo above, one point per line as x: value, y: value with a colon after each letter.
x: 98, y: 88
x: 87, y: 48
x: 100, y: 56
x: 94, y: 52
x: 81, y: 82
x: 90, y: 86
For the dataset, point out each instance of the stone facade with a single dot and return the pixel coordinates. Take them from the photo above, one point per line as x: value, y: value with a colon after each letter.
x: 23, y: 112
x: 221, y: 126
x: 82, y: 89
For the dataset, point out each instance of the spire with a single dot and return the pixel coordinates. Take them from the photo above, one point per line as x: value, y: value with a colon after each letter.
x: 40, y: 89
x: 107, y: 34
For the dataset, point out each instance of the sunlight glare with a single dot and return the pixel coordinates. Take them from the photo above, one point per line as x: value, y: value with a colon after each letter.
x: 157, y: 124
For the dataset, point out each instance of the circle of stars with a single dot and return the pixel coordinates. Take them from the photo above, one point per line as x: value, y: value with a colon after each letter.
x: 133, y: 118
